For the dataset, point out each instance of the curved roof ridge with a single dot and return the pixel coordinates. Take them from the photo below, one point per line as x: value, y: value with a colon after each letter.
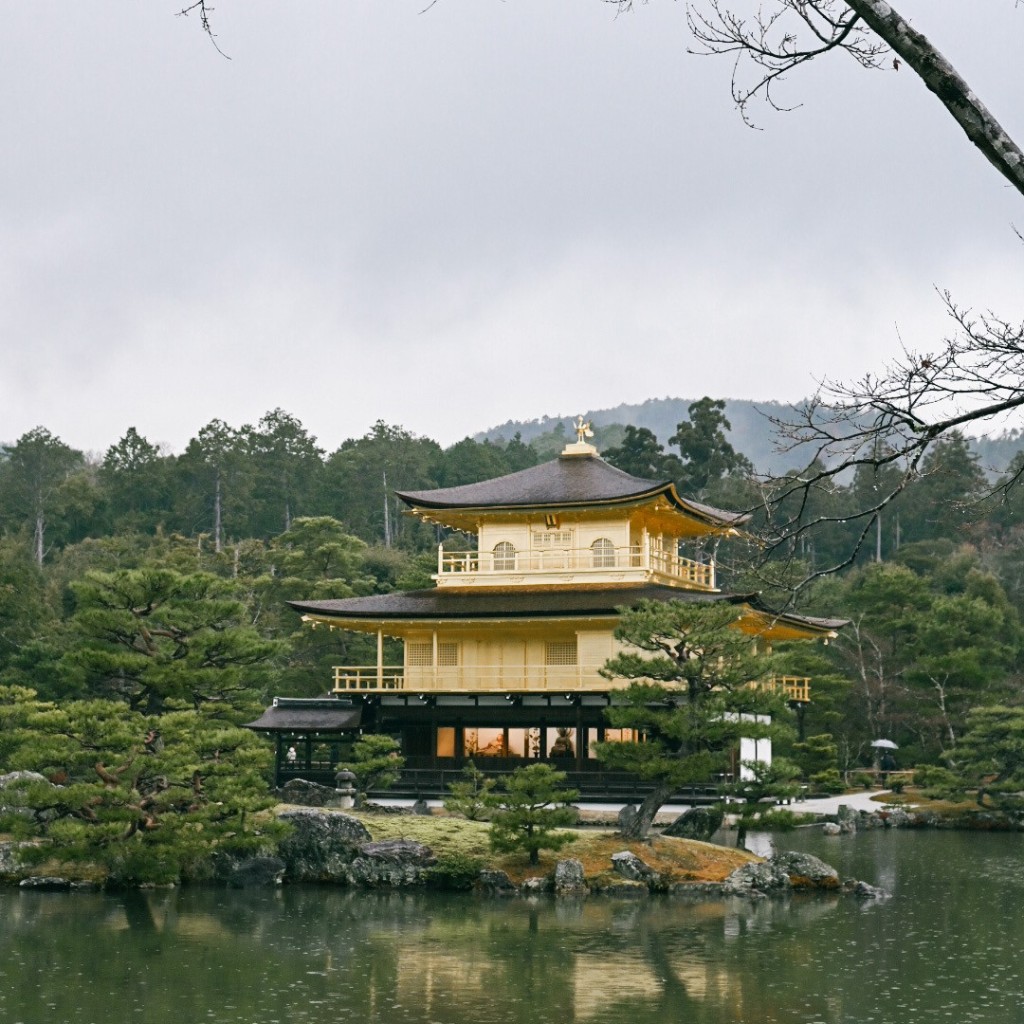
x: 569, y: 480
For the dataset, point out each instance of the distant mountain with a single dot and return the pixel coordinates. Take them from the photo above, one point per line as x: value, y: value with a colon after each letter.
x: 996, y: 453
x: 752, y: 432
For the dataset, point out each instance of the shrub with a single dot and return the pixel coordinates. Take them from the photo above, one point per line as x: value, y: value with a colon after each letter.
x: 458, y: 871
x: 375, y: 763
x: 471, y: 797
x: 524, y: 818
x: 829, y: 781
x: 777, y: 820
x: 816, y: 754
x: 936, y: 781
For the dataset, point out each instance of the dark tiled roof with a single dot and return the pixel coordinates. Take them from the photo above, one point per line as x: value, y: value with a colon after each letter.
x: 568, y: 481
x: 440, y: 603
x: 532, y: 604
x: 316, y: 715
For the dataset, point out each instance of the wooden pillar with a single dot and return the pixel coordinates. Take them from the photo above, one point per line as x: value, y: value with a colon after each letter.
x: 433, y: 735
x: 380, y: 659
x: 581, y: 738
x: 433, y: 657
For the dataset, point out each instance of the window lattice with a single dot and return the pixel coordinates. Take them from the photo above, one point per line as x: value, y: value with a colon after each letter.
x: 560, y: 652
x: 504, y: 556
x: 604, y: 553
x: 553, y: 539
x: 420, y: 655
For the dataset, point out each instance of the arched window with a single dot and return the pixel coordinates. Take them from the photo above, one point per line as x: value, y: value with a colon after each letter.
x: 504, y: 556
x: 604, y: 553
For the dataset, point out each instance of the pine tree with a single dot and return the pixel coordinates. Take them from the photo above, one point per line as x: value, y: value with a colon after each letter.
x: 530, y: 810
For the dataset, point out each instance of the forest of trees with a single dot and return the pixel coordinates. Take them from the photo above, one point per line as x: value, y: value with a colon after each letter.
x: 143, y: 594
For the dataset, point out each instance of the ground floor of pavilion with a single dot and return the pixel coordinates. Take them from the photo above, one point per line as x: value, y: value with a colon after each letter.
x: 439, y: 733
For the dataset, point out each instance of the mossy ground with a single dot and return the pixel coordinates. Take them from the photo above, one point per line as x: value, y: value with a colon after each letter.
x: 911, y: 797
x: 677, y: 860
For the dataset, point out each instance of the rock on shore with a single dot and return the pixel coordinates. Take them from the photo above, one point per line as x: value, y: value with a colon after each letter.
x: 333, y: 847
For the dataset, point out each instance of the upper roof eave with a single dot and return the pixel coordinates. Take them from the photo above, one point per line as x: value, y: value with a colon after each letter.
x: 568, y: 482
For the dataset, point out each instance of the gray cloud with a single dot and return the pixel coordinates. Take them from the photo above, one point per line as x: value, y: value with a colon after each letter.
x: 445, y: 220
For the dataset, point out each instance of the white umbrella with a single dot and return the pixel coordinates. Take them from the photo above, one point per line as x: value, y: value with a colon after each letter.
x: 885, y: 744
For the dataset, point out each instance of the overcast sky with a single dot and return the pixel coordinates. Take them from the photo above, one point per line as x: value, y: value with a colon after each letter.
x: 489, y: 210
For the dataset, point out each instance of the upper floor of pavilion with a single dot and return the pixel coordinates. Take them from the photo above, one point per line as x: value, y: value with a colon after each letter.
x: 574, y: 521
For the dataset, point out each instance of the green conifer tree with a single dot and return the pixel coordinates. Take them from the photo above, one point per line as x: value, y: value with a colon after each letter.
x: 530, y: 810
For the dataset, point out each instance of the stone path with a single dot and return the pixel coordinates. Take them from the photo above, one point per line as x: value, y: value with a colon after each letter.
x: 830, y: 804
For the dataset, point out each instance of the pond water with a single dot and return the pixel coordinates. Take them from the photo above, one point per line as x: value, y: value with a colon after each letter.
x: 949, y: 946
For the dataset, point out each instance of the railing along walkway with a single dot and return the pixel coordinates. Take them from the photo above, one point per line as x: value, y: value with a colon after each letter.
x: 700, y: 575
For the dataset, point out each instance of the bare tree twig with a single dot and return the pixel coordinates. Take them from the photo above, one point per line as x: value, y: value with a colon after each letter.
x: 780, y: 36
x: 891, y: 421
x: 203, y: 9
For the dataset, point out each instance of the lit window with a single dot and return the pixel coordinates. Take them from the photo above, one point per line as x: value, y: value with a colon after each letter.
x: 445, y: 741
x: 484, y: 743
x: 610, y: 736
x: 604, y: 553
x: 504, y: 556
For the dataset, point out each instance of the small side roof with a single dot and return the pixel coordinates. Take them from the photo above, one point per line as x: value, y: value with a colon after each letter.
x: 297, y: 714
x: 570, y: 481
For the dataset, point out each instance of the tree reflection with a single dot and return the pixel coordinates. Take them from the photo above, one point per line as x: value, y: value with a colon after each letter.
x: 310, y: 955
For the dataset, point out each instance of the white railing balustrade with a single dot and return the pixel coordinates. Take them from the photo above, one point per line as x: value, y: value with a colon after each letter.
x: 635, y: 556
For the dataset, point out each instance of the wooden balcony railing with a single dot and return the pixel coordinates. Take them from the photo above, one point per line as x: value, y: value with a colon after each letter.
x: 796, y: 688
x: 508, y: 679
x: 700, y: 575
x: 471, y: 679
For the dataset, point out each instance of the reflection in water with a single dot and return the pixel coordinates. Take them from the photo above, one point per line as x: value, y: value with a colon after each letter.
x: 945, y: 948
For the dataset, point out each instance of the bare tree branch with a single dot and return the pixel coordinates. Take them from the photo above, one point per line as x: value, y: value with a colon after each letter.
x: 891, y: 421
x: 782, y: 35
x: 203, y: 9
x: 790, y: 34
x: 943, y: 80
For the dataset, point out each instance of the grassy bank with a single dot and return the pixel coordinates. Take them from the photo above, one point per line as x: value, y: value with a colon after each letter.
x: 677, y: 860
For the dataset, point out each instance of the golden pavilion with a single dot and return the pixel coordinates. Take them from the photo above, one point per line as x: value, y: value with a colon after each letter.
x: 501, y: 658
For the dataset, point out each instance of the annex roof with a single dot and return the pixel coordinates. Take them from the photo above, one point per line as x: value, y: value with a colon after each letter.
x: 297, y: 714
x: 570, y: 481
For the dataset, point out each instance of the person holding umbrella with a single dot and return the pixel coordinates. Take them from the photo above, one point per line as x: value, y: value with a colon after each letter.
x: 887, y: 762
